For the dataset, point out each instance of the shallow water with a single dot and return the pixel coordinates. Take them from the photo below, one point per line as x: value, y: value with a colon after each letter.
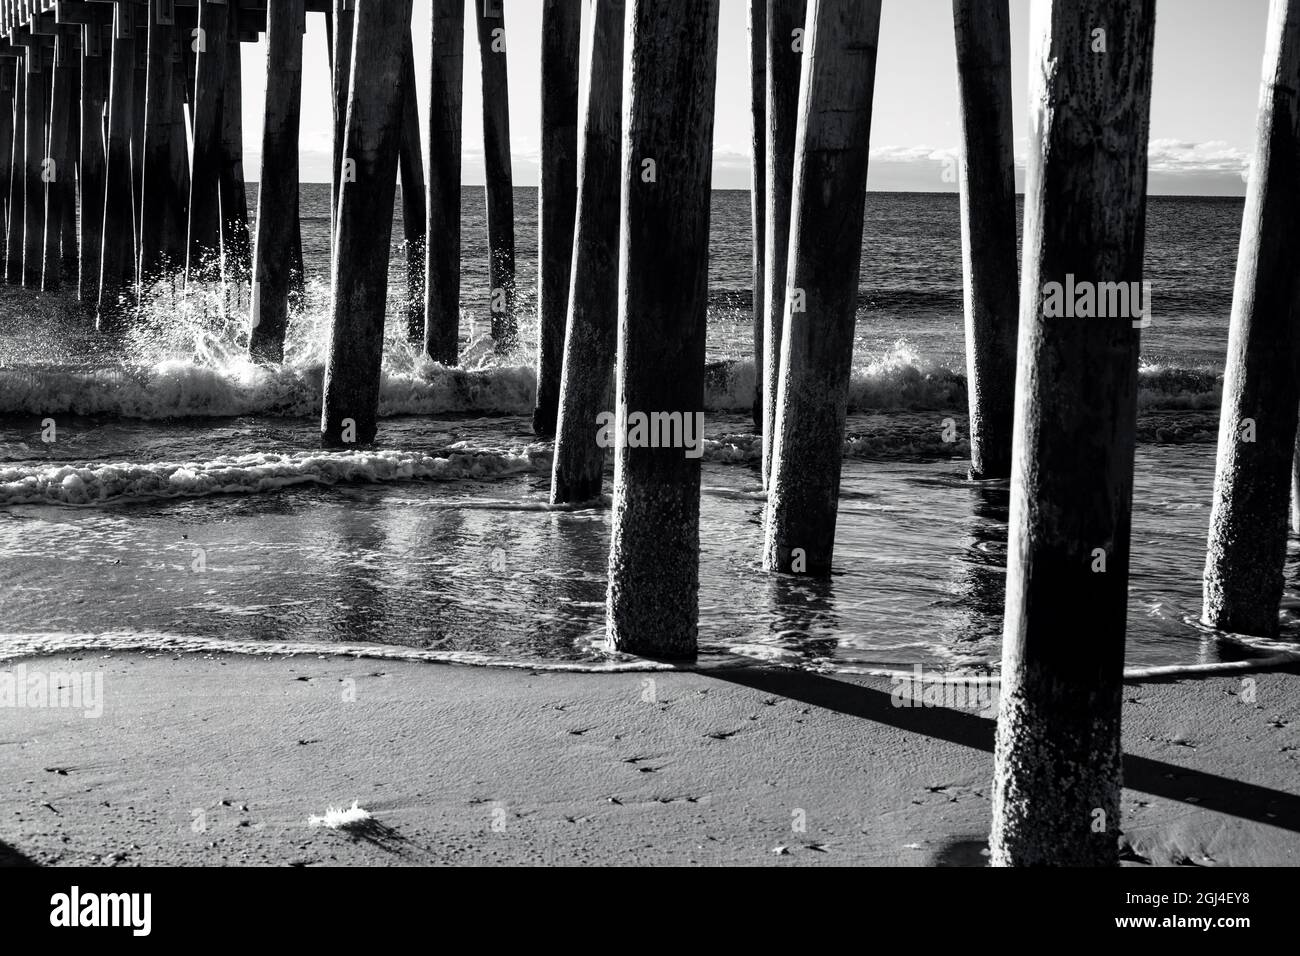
x: 468, y: 558
x: 183, y: 496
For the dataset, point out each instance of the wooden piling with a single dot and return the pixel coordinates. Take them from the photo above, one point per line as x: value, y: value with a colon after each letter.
x: 34, y: 105
x: 118, y: 254
x: 414, y: 212
x: 187, y: 23
x: 165, y: 175
x: 821, y: 295
x: 236, y: 242
x: 203, y: 242
x: 557, y: 200
x: 498, y: 174
x: 70, y: 252
x: 138, y: 91
x: 49, y: 168
x: 442, y: 257
x: 298, y: 271
x: 60, y: 172
x: 988, y: 228
x: 758, y: 187
x: 785, y: 25
x: 17, y: 177
x: 1295, y: 489
x: 6, y: 153
x: 329, y: 42
x: 91, y: 168
x: 1056, y: 784
x: 671, y: 61
x: 365, y: 223
x: 277, y: 194
x: 1257, y: 427
x: 591, y: 329
x: 341, y: 26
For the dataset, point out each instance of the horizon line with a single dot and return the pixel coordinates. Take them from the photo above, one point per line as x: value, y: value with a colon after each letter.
x: 736, y: 189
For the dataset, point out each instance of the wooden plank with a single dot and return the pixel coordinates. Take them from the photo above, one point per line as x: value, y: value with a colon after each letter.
x: 67, y: 11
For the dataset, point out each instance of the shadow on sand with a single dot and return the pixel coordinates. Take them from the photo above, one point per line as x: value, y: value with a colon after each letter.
x: 379, y: 835
x: 1206, y: 791
x: 11, y: 857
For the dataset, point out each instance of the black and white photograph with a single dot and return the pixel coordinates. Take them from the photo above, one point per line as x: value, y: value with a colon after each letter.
x: 650, y: 433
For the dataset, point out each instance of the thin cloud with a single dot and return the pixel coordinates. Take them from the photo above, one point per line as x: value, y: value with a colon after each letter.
x: 1180, y: 156
x: 1163, y: 156
x: 732, y: 165
x: 911, y: 154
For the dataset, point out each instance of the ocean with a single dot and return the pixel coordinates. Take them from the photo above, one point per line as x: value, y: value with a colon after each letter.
x: 183, y: 502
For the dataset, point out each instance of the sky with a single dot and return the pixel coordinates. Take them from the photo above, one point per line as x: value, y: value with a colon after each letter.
x: 1204, y: 98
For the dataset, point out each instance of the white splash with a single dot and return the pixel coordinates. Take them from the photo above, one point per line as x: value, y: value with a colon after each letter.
x: 337, y: 818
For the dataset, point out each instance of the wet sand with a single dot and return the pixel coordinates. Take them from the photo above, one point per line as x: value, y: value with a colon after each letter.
x: 221, y: 759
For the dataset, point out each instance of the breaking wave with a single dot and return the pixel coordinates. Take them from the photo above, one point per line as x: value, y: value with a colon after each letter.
x: 900, y: 380
x: 98, y: 483
x: 597, y: 660
x: 183, y: 389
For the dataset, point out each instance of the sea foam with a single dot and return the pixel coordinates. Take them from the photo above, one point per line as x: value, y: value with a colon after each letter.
x: 183, y: 389
x: 18, y: 646
x: 99, y: 483
x: 897, y: 381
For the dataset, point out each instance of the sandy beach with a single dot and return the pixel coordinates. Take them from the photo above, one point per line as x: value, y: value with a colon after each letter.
x: 222, y: 759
